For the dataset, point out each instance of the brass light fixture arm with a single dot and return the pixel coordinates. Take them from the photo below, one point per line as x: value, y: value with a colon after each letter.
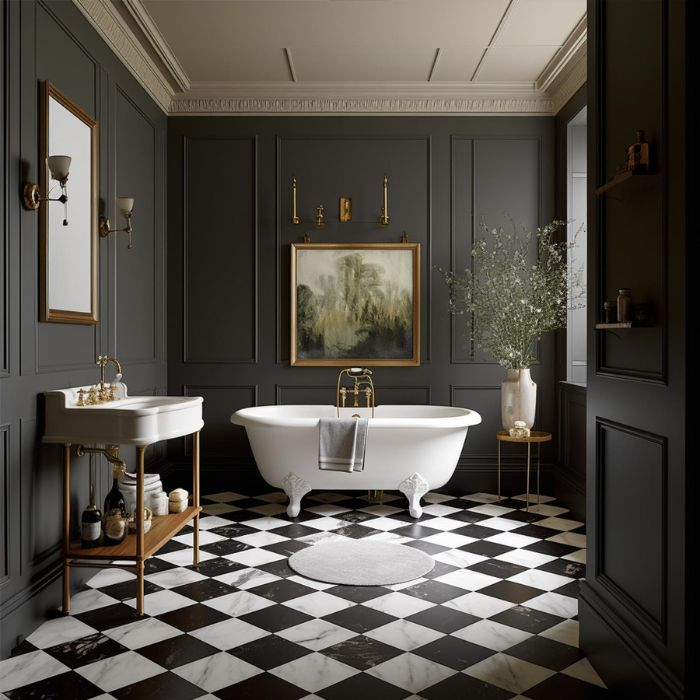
x: 105, y: 230
x: 295, y: 216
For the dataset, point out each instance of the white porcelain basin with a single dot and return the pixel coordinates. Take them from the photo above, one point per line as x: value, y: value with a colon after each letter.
x: 129, y: 420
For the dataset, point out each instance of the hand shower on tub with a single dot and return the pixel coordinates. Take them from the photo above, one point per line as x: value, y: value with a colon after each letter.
x: 361, y: 384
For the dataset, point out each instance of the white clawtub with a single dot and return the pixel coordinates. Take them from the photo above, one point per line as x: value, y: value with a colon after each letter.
x: 410, y: 448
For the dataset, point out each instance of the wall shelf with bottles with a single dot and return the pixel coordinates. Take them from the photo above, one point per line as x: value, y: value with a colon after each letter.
x: 637, y: 164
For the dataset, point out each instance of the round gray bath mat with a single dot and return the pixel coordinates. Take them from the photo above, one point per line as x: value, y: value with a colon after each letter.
x: 361, y: 563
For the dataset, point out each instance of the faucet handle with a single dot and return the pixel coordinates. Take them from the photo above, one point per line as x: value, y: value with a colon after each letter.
x: 81, y: 397
x: 92, y: 397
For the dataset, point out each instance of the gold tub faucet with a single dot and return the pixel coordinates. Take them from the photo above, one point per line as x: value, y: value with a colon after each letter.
x: 361, y: 384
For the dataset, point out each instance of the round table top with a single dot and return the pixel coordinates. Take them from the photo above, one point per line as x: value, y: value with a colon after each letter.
x: 535, y: 436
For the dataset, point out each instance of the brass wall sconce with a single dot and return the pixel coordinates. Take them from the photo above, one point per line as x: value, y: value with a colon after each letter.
x: 320, y: 216
x: 345, y: 209
x: 384, y: 217
x: 58, y: 170
x: 295, y: 216
x: 126, y: 206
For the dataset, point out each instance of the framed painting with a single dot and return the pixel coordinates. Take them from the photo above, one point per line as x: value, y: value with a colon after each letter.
x: 355, y: 304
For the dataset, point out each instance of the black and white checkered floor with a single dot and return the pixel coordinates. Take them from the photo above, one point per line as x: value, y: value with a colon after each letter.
x: 495, y: 618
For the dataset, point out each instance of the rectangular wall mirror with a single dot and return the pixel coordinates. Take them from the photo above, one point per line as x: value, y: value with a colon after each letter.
x: 68, y: 264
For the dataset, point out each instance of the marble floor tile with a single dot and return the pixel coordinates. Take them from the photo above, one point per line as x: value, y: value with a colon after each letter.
x: 142, y: 633
x: 547, y: 510
x: 246, y: 578
x: 28, y: 668
x: 566, y: 632
x: 261, y: 539
x: 269, y: 509
x: 327, y: 509
x: 316, y: 634
x: 397, y: 604
x: 91, y: 599
x: 172, y: 578
x: 511, y: 539
x: 509, y: 673
x: 59, y: 631
x: 225, y: 497
x: 468, y: 580
x: 449, y: 539
x: 228, y: 633
x: 478, y: 605
x: 575, y: 539
x: 161, y: 602
x: 563, y: 524
x: 239, y: 603
x: 481, y: 497
x: 209, y: 522
x: 266, y: 523
x: 492, y: 635
x: 524, y: 557
x: 310, y: 583
x: 108, y: 577
x: 404, y: 635
x: 579, y: 556
x: 254, y: 557
x: 219, y: 508
x: 314, y: 672
x: 117, y: 671
x: 218, y: 671
x: 491, y: 509
x: 442, y: 523
x: 583, y: 670
x: 439, y: 509
x: 318, y: 604
x: 183, y: 557
x: 459, y: 558
x: 554, y: 604
x: 411, y: 672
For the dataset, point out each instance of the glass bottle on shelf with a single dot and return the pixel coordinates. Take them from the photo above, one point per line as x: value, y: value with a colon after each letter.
x: 624, y: 305
x: 91, y: 519
x: 115, y: 518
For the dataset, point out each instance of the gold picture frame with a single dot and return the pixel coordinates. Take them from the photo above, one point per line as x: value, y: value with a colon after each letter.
x: 68, y: 253
x: 355, y: 304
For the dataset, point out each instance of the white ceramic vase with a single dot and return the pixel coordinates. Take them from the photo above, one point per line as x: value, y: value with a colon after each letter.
x: 518, y: 398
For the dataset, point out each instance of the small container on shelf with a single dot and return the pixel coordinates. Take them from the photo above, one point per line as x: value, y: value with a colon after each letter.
x: 624, y: 305
x: 159, y: 503
x: 610, y: 312
x: 177, y: 500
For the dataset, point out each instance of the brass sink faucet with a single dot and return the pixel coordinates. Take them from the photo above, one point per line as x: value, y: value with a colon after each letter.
x: 105, y: 392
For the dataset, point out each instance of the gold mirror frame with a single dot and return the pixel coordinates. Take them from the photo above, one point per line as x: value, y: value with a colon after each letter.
x: 46, y: 310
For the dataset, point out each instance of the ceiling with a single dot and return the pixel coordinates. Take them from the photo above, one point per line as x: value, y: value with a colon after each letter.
x: 349, y: 56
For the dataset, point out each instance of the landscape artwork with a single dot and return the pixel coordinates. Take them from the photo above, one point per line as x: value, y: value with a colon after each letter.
x: 355, y: 304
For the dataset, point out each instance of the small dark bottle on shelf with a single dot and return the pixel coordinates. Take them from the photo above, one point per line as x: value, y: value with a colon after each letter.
x: 115, y: 520
x: 91, y: 523
x: 638, y: 155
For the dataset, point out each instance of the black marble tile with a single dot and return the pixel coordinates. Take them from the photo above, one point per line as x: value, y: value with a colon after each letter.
x: 24, y: 647
x: 362, y: 652
x: 193, y: 617
x: 244, y: 503
x: 233, y: 531
x: 356, y: 531
x: 126, y: 590
x: 443, y: 619
x: 363, y: 686
x: 165, y: 685
x: 405, y: 517
x: 511, y: 591
x: 85, y: 650
x: 496, y: 567
x: 571, y: 589
x: 295, y: 530
x: 457, y: 503
x: 154, y: 564
x: 269, y: 652
x: 355, y: 516
x: 453, y: 652
x: 264, y: 686
x: 282, y: 591
x: 525, y: 516
x: 177, y: 651
x: 427, y: 547
x: 564, y: 567
x: 171, y: 546
x: 109, y: 616
x: 469, y: 516
x: 433, y: 591
x: 554, y: 549
x: 416, y: 531
x: 304, y: 516
x: 276, y: 618
x: 66, y: 685
x: 546, y: 652
x: 238, y: 516
x: 206, y: 589
x: 224, y: 547
x: 462, y: 686
x: 478, y: 532
x: 527, y: 619
x: 357, y: 594
x: 486, y: 549
x: 533, y: 530
x: 217, y: 567
x: 563, y: 686
x: 359, y: 619
x: 287, y: 548
x: 440, y: 569
x: 278, y: 568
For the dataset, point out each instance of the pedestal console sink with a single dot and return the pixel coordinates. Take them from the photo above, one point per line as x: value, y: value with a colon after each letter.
x: 128, y: 420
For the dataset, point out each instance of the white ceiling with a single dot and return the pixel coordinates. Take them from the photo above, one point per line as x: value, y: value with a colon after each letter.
x: 461, y: 55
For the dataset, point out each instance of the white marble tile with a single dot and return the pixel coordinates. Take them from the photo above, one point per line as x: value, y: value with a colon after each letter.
x: 444, y: 524
x: 565, y: 632
x: 555, y: 604
x: 584, y: 671
x: 439, y: 509
x: 266, y: 522
x: 543, y: 498
x: 28, y: 668
x: 492, y: 510
x: 323, y: 537
x: 578, y: 556
x: 269, y: 509
x: 434, y: 497
x: 380, y: 509
x: 205, y: 537
x: 382, y: 523
x: 59, y: 631
x: 559, y: 523
x: 142, y: 633
x: 92, y: 599
x: 254, y: 557
x: 327, y: 509
x: 247, y: 578
x: 183, y: 557
x: 314, y: 672
x: 482, y: 497
x: 316, y: 634
x: 388, y: 537
x: 574, y: 539
x: 104, y: 696
x: 398, y: 604
x: 405, y: 584
x: 310, y: 583
x: 120, y: 670
x: 410, y: 672
x: 511, y: 539
x: 170, y: 578
x: 544, y: 580
x: 498, y: 523
x: 229, y: 633
x: 225, y: 496
x: 209, y: 522
x: 449, y: 539
x: 404, y: 635
x: 492, y: 635
x: 326, y: 523
x: 478, y: 604
x: 238, y: 603
x: 261, y: 539
x: 107, y: 577
x: 219, y: 508
x: 545, y: 509
x: 467, y: 579
x: 458, y: 557
x: 207, y: 696
x: 509, y: 673
x: 523, y: 557
x: 218, y: 671
x: 161, y: 602
x: 319, y: 604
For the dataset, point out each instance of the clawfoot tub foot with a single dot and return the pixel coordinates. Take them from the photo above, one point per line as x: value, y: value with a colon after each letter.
x: 295, y: 487
x: 413, y: 488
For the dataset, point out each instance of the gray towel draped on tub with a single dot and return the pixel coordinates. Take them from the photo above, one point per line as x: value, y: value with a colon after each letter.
x: 341, y: 444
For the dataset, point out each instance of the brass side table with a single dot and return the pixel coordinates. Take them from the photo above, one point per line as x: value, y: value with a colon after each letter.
x: 536, y: 437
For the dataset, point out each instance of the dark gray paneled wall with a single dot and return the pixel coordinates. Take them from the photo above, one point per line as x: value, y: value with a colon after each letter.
x: 229, y: 254
x: 52, y: 41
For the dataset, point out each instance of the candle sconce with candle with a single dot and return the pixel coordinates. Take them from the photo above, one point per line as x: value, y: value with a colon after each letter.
x: 384, y: 217
x: 295, y: 216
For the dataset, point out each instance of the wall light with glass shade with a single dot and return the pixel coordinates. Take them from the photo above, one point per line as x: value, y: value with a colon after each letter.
x: 125, y: 205
x: 58, y: 170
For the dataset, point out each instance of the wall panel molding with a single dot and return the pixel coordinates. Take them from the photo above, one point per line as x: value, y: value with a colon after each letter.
x: 5, y: 527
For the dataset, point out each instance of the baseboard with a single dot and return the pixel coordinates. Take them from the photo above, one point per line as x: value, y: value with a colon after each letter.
x: 624, y: 662
x: 571, y: 492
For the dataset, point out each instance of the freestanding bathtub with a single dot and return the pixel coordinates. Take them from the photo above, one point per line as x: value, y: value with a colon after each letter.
x: 410, y: 448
